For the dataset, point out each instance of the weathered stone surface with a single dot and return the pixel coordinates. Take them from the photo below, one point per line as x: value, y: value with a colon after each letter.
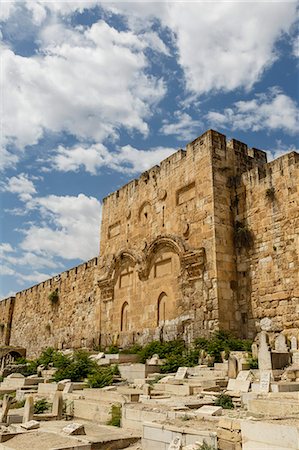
x: 30, y: 425
x: 264, y: 353
x: 6, y: 402
x: 57, y: 406
x: 28, y: 409
x: 209, y: 411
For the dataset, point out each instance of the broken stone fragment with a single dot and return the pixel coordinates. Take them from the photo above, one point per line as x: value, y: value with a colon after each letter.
x: 30, y: 425
x: 74, y: 429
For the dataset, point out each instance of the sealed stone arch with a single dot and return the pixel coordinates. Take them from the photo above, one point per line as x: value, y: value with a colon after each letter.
x: 124, y: 318
x: 162, y: 309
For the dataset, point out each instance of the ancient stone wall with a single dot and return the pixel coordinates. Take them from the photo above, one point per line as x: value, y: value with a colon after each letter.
x: 71, y: 321
x: 6, y: 312
x: 157, y: 250
x: 268, y: 275
x: 207, y: 240
x: 182, y: 206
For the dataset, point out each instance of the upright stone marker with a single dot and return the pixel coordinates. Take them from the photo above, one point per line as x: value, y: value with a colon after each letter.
x: 181, y: 373
x: 57, y: 405
x: 28, y: 409
x: 265, y: 381
x: 254, y: 350
x: 264, y: 354
x: 232, y: 367
x: 5, y: 407
x: 294, y: 344
x: 244, y: 375
x: 281, y: 344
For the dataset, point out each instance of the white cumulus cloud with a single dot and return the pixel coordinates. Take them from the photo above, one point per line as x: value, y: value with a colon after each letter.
x: 69, y: 230
x: 272, y: 110
x: 184, y: 127
x: 20, y: 185
x: 221, y: 45
x: 87, y: 82
x: 127, y: 159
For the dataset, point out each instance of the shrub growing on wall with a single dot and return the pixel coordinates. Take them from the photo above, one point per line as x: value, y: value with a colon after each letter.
x: 54, y: 297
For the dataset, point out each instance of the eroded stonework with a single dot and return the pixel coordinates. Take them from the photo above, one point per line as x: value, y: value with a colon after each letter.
x: 207, y: 240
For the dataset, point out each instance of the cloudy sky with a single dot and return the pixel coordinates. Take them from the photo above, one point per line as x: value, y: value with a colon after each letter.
x: 93, y: 93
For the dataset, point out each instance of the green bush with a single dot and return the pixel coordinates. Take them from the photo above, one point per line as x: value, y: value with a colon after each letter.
x: 115, y: 416
x: 205, y: 446
x: 17, y: 404
x: 222, y: 341
x: 31, y: 366
x: 253, y: 363
x: 76, y: 368
x: 54, y: 297
x: 163, y: 349
x: 225, y: 401
x: 102, y: 376
x: 133, y: 350
x: 40, y: 406
x: 113, y: 349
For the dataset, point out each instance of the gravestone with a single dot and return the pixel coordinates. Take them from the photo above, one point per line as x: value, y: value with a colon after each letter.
x: 181, y: 373
x: 294, y: 344
x: 6, y: 402
x: 232, y: 367
x: 244, y: 375
x: 146, y: 389
x: 266, y: 324
x: 264, y: 353
x: 265, y: 377
x: 281, y: 344
x: 28, y: 409
x: 57, y: 405
x: 238, y: 385
x: 68, y: 388
x: 254, y: 350
x: 295, y: 357
x: 175, y: 444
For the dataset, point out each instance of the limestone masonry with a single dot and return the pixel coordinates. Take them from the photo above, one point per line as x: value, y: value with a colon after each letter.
x: 207, y: 240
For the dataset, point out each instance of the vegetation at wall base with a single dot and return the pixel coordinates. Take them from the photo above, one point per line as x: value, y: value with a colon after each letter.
x: 115, y: 416
x: 41, y: 406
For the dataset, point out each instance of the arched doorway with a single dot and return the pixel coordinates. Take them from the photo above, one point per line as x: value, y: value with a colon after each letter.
x: 161, y: 317
x: 124, y: 321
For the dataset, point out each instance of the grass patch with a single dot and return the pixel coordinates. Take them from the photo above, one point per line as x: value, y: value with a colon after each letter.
x: 115, y: 416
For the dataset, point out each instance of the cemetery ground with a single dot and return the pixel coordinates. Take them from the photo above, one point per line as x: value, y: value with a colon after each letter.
x: 223, y: 393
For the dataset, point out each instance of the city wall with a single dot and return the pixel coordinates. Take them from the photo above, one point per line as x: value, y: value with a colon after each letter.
x: 268, y: 271
x: 72, y: 320
x: 171, y: 263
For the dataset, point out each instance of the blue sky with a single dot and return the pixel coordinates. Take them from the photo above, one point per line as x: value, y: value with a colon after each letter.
x: 93, y: 93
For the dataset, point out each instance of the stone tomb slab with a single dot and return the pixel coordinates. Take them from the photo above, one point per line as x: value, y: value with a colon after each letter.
x: 181, y: 373
x: 209, y: 411
x: 238, y: 385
